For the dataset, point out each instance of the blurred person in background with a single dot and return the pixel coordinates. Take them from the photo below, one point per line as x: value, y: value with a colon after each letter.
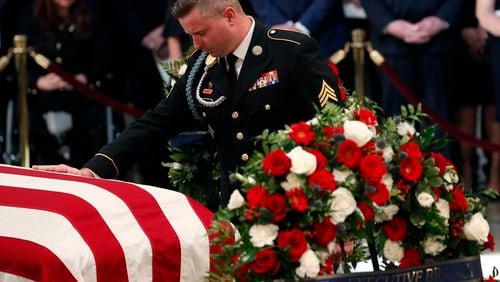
x: 474, y: 92
x: 67, y: 126
x: 488, y: 14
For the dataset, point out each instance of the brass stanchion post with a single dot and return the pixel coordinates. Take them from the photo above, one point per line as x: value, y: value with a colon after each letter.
x: 21, y: 55
x: 358, y: 50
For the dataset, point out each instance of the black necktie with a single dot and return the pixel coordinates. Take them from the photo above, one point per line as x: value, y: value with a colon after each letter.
x: 231, y: 72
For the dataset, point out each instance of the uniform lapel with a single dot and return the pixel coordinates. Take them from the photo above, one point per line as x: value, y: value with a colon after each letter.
x: 254, y: 64
x: 217, y: 75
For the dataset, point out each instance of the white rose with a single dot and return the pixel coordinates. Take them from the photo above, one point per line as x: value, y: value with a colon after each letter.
x: 425, y: 199
x: 236, y: 200
x: 341, y: 175
x: 313, y: 121
x: 451, y: 176
x: 261, y: 235
x: 309, y: 265
x: 393, y: 251
x: 342, y: 205
x: 477, y: 229
x: 292, y: 182
x: 358, y: 132
x: 388, y: 181
x: 433, y: 245
x: 177, y: 166
x: 444, y: 208
x: 385, y: 213
x: 405, y: 128
x: 302, y: 162
x: 388, y: 154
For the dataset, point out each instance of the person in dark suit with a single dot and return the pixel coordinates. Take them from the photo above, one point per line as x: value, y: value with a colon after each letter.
x: 418, y: 39
x: 69, y: 34
x: 323, y: 20
x: 488, y: 14
x: 277, y: 78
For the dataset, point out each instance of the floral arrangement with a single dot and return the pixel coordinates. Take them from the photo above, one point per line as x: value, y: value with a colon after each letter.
x: 347, y: 177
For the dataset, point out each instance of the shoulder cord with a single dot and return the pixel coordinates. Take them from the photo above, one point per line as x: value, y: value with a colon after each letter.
x: 189, y: 85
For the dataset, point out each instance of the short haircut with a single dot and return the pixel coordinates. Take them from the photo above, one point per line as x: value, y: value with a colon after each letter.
x: 208, y: 8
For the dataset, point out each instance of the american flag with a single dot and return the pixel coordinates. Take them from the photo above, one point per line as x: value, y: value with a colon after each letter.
x: 59, y: 227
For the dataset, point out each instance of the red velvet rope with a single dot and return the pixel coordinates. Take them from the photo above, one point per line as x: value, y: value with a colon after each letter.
x: 94, y: 94
x: 441, y: 122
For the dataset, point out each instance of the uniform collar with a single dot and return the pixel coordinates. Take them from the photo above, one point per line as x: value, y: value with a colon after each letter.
x: 241, y: 51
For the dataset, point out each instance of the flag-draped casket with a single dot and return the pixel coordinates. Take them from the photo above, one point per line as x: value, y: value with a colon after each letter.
x: 59, y: 227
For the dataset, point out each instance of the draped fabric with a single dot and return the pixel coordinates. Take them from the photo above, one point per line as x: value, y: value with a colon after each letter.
x: 58, y: 227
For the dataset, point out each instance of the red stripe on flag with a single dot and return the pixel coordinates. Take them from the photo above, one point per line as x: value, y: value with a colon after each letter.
x: 165, y: 243
x: 31, y: 261
x: 107, y: 251
x: 206, y: 217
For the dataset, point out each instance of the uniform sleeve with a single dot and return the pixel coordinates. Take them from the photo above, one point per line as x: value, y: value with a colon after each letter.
x: 378, y: 14
x: 268, y: 13
x: 313, y: 78
x: 316, y: 13
x: 170, y: 117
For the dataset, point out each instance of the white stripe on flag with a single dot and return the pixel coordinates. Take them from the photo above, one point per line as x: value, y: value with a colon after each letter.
x: 7, y: 277
x: 31, y: 225
x: 195, y: 246
x: 116, y: 214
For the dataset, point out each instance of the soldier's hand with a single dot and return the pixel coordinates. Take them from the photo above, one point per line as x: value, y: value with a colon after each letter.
x: 62, y: 168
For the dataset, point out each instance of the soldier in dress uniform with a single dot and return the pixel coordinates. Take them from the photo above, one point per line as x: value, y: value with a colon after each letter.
x: 280, y: 77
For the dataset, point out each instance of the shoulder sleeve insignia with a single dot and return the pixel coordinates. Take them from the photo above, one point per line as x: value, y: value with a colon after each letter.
x: 326, y: 93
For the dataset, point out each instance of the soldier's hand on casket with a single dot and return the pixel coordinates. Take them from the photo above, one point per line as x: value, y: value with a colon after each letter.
x: 62, y: 168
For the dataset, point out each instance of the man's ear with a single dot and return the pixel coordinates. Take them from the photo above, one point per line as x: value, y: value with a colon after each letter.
x: 230, y: 14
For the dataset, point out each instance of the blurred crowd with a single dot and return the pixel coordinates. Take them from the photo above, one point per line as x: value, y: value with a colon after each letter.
x: 446, y: 51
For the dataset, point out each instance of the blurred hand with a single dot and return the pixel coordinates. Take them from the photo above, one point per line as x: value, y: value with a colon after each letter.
x: 432, y: 25
x: 154, y: 39
x: 65, y: 169
x: 52, y: 82
x: 81, y: 77
x: 475, y: 37
x: 408, y: 32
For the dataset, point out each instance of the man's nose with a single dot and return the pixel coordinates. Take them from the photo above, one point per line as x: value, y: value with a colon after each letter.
x: 197, y: 43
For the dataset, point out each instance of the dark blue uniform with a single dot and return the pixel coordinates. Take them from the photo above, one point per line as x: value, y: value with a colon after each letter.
x: 324, y: 19
x: 425, y: 68
x: 282, y: 78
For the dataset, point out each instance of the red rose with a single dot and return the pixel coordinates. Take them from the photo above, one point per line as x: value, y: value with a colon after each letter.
x: 381, y: 195
x: 324, y: 232
x: 372, y: 168
x: 321, y: 160
x: 366, y: 116
x: 329, y: 130
x: 298, y: 200
x: 410, y: 169
x: 295, y: 240
x: 349, y: 154
x: 276, y: 204
x: 301, y: 133
x: 411, y: 258
x: 265, y: 262
x: 323, y: 179
x: 396, y: 229
x: 412, y: 149
x: 458, y: 204
x: 370, y: 147
x: 276, y: 163
x: 441, y: 162
x: 367, y: 211
x: 241, y: 273
x: 256, y: 196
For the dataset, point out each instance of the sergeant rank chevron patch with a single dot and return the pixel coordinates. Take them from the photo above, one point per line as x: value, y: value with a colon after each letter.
x: 326, y: 93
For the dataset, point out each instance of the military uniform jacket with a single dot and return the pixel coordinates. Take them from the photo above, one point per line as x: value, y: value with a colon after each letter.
x: 282, y: 78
